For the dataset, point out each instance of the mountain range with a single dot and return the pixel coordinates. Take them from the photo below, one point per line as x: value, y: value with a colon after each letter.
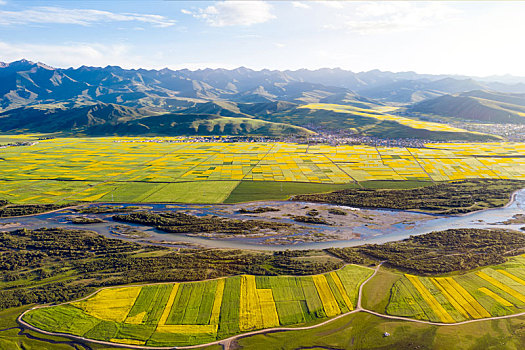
x: 35, y: 97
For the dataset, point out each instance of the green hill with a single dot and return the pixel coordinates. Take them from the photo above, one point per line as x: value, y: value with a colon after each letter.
x: 373, y: 122
x: 110, y: 119
x: 198, y: 124
x: 477, y: 105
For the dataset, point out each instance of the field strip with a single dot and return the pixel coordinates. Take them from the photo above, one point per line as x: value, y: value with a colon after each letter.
x: 488, y: 169
x: 330, y: 306
x: 217, y: 302
x: 259, y: 162
x: 385, y: 164
x: 494, y: 296
x: 168, y: 306
x: 451, y: 297
x: 463, y: 297
x: 135, y: 168
x: 430, y: 299
x: 469, y: 298
x: 511, y: 276
x: 225, y: 342
x: 342, y: 290
x: 501, y: 286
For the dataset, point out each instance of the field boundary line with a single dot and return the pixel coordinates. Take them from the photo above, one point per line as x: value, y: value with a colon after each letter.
x: 338, y: 167
x: 259, y: 162
x: 418, y: 163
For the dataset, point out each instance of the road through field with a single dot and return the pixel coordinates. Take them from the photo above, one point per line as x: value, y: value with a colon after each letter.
x: 226, y: 343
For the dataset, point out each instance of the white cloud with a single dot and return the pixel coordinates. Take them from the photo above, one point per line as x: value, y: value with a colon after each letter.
x: 299, y: 4
x: 232, y: 13
x: 332, y: 3
x: 186, y: 12
x: 71, y: 54
x: 280, y: 45
x: 59, y: 15
x: 374, y: 17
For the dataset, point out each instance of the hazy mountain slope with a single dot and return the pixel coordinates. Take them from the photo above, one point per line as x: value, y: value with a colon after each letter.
x: 476, y: 105
x: 197, y: 124
x: 109, y: 99
x: 410, y: 91
x: 220, y: 108
x: 62, y: 119
x: 266, y: 108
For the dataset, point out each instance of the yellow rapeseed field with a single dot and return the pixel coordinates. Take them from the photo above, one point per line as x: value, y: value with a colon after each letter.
x: 217, y: 302
x: 451, y: 294
x: 257, y: 307
x: 464, y: 298
x: 137, y: 319
x: 494, y: 296
x: 128, y: 341
x: 111, y: 304
x: 169, y: 305
x: 106, y: 169
x: 430, y: 299
x: 330, y: 305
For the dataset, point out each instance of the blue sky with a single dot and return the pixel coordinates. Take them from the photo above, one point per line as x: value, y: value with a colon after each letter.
x: 472, y: 38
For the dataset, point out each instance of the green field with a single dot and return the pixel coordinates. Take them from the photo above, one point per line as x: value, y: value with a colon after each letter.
x: 201, y: 312
x: 116, y: 169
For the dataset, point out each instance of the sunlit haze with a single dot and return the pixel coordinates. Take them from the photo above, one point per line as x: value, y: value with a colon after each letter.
x: 465, y: 38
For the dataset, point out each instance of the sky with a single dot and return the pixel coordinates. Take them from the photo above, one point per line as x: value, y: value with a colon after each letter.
x: 468, y: 38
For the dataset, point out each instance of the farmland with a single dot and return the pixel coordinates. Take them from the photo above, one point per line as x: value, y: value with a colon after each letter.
x: 178, y: 314
x: 117, y: 170
x: 201, y: 312
x: 491, y: 291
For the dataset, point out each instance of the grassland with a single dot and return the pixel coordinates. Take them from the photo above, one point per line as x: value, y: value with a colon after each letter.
x: 201, y: 312
x: 117, y: 170
x: 365, y: 331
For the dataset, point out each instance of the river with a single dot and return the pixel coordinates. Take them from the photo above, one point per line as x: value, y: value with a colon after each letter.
x: 389, y: 230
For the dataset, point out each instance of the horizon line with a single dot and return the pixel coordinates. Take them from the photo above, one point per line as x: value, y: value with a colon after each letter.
x: 4, y: 64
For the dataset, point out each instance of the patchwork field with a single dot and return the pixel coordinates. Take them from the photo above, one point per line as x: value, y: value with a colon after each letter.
x: 118, y: 170
x: 491, y: 291
x: 201, y: 312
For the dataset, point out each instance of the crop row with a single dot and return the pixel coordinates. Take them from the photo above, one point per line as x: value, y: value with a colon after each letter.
x: 490, y: 292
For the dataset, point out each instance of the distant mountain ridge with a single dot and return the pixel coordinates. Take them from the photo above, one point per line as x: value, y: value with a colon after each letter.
x: 25, y: 83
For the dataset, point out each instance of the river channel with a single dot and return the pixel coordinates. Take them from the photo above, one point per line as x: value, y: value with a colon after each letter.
x: 353, y: 229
